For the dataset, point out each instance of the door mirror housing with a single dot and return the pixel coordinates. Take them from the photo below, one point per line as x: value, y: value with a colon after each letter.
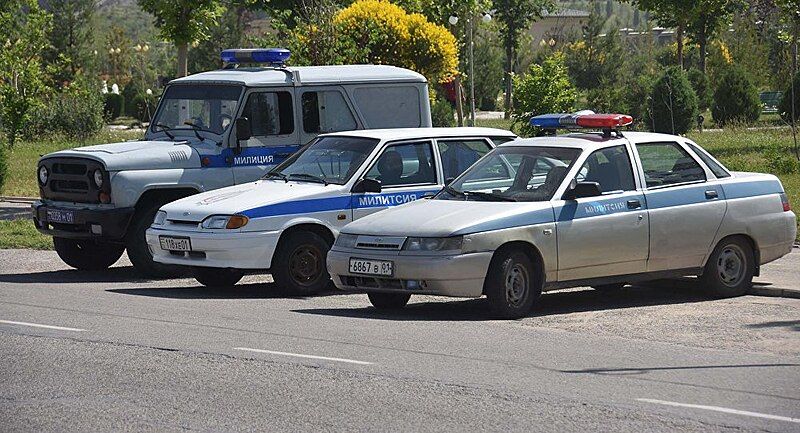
x: 582, y: 189
x: 243, y: 131
x: 367, y: 185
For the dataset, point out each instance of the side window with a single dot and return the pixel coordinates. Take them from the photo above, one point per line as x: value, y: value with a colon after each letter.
x: 668, y: 164
x: 326, y: 111
x: 610, y: 167
x: 713, y: 165
x: 389, y: 107
x: 459, y: 155
x: 270, y: 113
x: 404, y: 164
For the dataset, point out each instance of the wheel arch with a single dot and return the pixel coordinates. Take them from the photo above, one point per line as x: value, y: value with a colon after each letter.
x: 528, y: 249
x: 750, y: 241
x: 170, y: 193
x: 308, y: 226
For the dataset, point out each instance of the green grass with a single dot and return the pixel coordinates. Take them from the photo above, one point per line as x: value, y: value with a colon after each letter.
x: 22, y: 234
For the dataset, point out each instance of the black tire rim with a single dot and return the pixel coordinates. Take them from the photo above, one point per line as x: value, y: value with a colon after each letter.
x: 305, y: 265
x: 516, y: 283
x: 731, y: 265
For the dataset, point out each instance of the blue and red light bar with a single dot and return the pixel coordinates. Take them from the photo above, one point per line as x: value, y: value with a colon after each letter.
x: 273, y: 56
x: 581, y: 120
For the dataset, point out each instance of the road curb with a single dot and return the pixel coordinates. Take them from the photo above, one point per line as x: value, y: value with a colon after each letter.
x: 774, y: 292
x: 13, y: 199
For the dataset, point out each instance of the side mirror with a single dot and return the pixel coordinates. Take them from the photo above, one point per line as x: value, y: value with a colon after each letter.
x: 367, y: 185
x: 243, y: 131
x: 582, y: 189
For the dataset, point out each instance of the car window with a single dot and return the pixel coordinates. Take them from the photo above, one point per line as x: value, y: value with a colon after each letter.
x: 668, y: 164
x: 270, y: 113
x: 334, y: 159
x: 389, y: 107
x: 326, y: 111
x: 404, y: 164
x: 610, y: 167
x: 459, y: 155
x: 712, y: 164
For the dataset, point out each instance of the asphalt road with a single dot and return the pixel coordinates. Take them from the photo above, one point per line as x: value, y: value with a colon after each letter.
x: 120, y: 353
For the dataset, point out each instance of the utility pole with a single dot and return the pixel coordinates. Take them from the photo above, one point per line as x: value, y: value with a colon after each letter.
x: 471, y: 70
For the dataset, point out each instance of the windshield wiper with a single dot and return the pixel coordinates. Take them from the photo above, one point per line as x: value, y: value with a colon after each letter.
x: 454, y: 191
x: 166, y: 130
x: 311, y: 177
x: 277, y: 174
x: 488, y: 195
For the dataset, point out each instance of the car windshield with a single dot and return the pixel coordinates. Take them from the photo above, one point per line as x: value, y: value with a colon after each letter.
x: 207, y: 108
x: 515, y: 173
x: 330, y: 159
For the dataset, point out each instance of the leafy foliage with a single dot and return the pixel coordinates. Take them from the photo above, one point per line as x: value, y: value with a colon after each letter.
x: 593, y: 59
x: 3, y: 165
x: 672, y: 107
x: 112, y: 106
x: 442, y: 113
x: 543, y: 89
x: 785, y: 107
x: 71, y: 38
x: 75, y: 112
x: 735, y: 98
x: 702, y: 88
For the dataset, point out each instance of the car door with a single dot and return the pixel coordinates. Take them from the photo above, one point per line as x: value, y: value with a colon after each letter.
x: 406, y: 171
x: 605, y: 235
x: 273, y: 138
x: 686, y: 209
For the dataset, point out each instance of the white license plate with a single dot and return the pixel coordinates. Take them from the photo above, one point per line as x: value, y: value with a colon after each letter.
x: 371, y: 267
x: 60, y: 216
x: 170, y: 243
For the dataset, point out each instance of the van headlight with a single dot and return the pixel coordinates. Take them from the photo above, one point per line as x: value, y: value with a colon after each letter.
x: 215, y: 222
x: 433, y: 244
x: 346, y: 240
x: 161, y: 216
x: 98, y: 178
x: 44, y: 174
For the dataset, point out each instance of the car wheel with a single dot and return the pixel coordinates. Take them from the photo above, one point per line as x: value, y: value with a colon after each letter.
x: 609, y: 288
x: 217, y: 277
x: 389, y: 301
x: 87, y: 255
x: 299, y: 264
x: 138, y: 251
x: 729, y: 270
x: 511, y: 285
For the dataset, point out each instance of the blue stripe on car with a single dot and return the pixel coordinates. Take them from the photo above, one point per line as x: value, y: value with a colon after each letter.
x: 752, y: 189
x: 680, y: 196
x: 258, y: 155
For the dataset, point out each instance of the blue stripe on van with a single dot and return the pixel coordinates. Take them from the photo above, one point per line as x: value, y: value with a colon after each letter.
x: 260, y: 155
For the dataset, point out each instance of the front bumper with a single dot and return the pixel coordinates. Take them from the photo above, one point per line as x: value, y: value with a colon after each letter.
x: 459, y: 275
x: 239, y: 250
x: 87, y: 223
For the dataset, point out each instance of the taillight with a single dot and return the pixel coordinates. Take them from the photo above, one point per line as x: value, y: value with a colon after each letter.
x: 785, y: 200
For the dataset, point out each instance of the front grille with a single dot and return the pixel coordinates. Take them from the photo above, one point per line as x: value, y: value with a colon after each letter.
x: 69, y: 186
x: 70, y: 180
x: 65, y: 168
x: 380, y: 242
x: 183, y: 222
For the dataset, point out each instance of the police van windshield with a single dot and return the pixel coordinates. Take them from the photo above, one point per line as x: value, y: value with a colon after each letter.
x: 207, y: 108
x: 514, y: 173
x: 327, y: 159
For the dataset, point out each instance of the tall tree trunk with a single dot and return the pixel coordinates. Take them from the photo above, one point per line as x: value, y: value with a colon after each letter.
x: 183, y: 59
x: 679, y: 40
x: 509, y: 75
x: 702, y: 45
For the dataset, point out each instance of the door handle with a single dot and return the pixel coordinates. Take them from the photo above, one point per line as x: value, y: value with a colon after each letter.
x: 634, y: 204
x: 711, y: 194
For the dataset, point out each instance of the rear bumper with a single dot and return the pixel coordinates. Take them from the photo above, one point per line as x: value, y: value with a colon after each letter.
x: 239, y: 250
x: 109, y: 224
x: 459, y: 275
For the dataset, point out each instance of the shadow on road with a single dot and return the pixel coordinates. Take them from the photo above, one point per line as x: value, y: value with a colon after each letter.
x: 239, y: 291
x: 658, y: 293
x: 643, y: 370
x: 791, y: 324
x: 111, y: 275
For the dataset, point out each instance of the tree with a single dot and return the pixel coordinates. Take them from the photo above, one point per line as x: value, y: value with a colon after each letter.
x: 71, y: 37
x: 670, y: 13
x: 673, y: 105
x: 515, y: 17
x: 707, y: 16
x: 544, y: 89
x: 184, y: 22
x: 735, y: 98
x: 594, y: 59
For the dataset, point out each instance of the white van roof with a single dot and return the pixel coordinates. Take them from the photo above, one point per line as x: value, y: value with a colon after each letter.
x: 420, y: 133
x: 313, y: 75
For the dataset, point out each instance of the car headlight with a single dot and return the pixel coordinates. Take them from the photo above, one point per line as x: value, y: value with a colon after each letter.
x: 346, y: 240
x: 161, y: 216
x: 433, y: 244
x: 43, y: 175
x: 224, y: 222
x: 98, y: 178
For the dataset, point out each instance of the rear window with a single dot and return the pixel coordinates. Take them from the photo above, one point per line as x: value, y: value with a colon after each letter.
x: 389, y: 107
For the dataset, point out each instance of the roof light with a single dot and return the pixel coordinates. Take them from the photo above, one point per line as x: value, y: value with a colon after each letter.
x: 581, y: 119
x: 275, y: 56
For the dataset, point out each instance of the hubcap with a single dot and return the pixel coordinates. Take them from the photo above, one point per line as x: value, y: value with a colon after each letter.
x: 731, y: 265
x: 516, y: 284
x: 305, y: 264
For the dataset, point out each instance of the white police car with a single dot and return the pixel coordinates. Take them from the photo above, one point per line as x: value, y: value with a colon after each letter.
x: 211, y: 130
x: 287, y: 221
x: 582, y: 209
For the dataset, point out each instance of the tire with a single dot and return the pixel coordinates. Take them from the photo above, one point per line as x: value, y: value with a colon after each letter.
x: 389, y: 301
x: 87, y: 255
x: 217, y: 277
x: 300, y: 267
x: 511, y: 286
x: 609, y: 288
x: 138, y: 251
x: 729, y: 269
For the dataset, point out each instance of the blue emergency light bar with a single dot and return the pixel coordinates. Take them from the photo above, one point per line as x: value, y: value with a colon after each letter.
x: 581, y: 119
x: 273, y: 56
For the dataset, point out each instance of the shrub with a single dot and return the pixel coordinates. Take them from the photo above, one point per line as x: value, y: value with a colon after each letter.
x: 144, y: 107
x: 780, y: 161
x: 129, y: 94
x: 735, y: 98
x: 112, y: 107
x: 442, y: 113
x: 785, y: 107
x: 76, y: 112
x: 702, y: 88
x: 544, y: 89
x: 672, y: 105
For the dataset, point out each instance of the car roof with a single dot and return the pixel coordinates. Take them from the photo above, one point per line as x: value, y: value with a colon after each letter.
x: 335, y: 74
x: 592, y: 140
x: 417, y: 133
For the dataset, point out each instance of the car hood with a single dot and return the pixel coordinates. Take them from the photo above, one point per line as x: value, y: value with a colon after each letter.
x: 434, y: 218
x: 254, y: 199
x: 142, y: 155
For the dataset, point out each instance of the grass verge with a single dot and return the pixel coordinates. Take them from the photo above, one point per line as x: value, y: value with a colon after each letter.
x: 22, y: 234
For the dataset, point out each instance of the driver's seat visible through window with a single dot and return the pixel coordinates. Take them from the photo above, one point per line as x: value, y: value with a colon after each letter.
x: 404, y: 164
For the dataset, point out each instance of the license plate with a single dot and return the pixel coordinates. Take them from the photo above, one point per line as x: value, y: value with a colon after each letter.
x: 60, y: 216
x: 170, y: 243
x: 371, y: 267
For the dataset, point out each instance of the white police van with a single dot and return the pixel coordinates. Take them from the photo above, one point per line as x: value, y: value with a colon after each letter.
x: 210, y: 130
x: 287, y: 222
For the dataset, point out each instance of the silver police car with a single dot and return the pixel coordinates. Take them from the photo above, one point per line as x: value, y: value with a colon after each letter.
x: 582, y: 209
